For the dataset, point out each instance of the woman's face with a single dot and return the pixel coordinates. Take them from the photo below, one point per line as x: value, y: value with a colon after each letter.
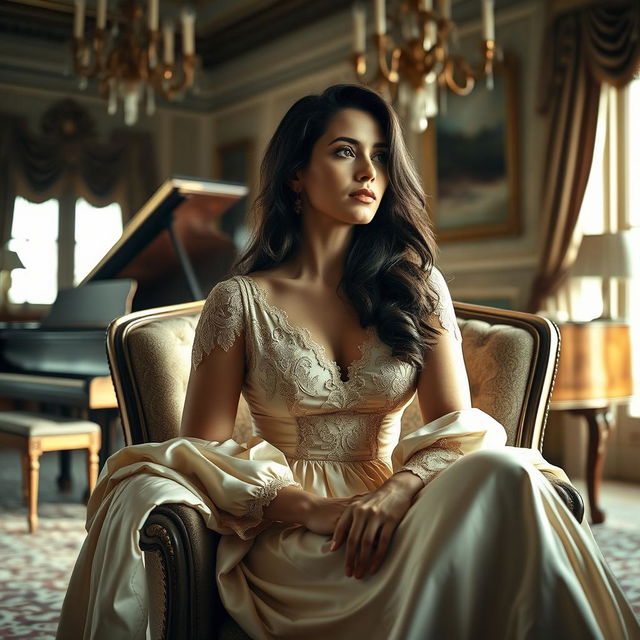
x: 347, y: 172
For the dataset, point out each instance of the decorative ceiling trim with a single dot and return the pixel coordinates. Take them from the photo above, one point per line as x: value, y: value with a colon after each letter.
x: 221, y: 43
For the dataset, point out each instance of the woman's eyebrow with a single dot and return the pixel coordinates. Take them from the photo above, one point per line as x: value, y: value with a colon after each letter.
x: 355, y: 142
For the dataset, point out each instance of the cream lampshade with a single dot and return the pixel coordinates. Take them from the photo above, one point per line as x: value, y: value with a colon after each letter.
x: 608, y: 255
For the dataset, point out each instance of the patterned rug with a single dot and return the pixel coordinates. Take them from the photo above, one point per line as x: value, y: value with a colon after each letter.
x: 35, y: 568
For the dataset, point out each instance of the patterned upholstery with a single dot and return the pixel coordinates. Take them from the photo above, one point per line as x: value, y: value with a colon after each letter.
x: 162, y: 369
x: 496, y: 389
x: 161, y: 373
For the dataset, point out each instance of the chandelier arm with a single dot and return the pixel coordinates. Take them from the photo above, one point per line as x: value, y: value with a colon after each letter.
x: 388, y: 71
x: 449, y: 73
x: 170, y: 91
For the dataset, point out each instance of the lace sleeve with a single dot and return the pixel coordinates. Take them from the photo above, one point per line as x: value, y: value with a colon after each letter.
x: 429, y: 462
x: 444, y: 310
x: 221, y: 321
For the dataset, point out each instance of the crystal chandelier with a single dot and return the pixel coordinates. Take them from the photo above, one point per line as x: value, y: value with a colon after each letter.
x: 132, y: 59
x: 414, y: 72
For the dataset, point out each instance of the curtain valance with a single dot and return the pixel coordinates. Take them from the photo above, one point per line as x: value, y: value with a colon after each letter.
x: 66, y: 157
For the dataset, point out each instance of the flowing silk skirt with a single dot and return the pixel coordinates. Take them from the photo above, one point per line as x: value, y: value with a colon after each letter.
x: 486, y: 551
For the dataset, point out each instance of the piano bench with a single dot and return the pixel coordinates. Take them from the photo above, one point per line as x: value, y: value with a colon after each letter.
x: 35, y: 433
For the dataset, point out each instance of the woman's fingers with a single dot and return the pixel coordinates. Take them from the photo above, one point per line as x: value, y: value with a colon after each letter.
x: 353, y: 541
x: 382, y: 544
x: 367, y: 547
x: 341, y: 529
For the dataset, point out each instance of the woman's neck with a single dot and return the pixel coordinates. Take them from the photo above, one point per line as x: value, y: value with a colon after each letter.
x: 320, y: 260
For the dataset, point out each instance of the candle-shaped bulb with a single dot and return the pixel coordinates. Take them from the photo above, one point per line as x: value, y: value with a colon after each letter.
x: 381, y: 17
x: 101, y: 16
x: 188, y: 31
x: 167, y: 32
x: 78, y: 19
x: 153, y: 15
x: 445, y: 9
x: 488, y: 23
x: 359, y: 28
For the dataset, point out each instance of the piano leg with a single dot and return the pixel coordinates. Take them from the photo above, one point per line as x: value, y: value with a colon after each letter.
x: 104, y: 417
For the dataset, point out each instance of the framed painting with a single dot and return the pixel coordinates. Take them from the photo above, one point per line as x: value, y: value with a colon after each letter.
x: 471, y: 161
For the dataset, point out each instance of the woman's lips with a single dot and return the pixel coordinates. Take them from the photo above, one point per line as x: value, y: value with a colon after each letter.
x: 363, y: 198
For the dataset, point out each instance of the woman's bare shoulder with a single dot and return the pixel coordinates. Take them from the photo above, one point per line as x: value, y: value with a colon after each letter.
x: 272, y: 280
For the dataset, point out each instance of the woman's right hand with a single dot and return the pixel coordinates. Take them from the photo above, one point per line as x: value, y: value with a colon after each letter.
x: 324, y: 513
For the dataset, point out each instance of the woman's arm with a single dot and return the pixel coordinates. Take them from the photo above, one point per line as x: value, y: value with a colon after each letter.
x: 213, y: 392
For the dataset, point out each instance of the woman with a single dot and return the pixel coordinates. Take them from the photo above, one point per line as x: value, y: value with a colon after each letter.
x: 336, y: 319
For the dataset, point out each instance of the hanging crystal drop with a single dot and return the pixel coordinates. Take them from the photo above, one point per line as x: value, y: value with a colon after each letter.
x: 417, y: 111
x: 151, y: 100
x: 112, y: 105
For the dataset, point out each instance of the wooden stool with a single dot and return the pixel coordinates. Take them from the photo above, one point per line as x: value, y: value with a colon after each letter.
x: 35, y: 433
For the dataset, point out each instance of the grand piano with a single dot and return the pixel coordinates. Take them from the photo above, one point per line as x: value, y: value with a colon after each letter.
x: 181, y: 242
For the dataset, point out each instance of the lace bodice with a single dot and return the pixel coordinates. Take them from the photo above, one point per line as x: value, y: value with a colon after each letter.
x: 298, y: 400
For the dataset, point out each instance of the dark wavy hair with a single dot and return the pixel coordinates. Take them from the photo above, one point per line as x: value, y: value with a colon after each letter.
x: 389, y: 260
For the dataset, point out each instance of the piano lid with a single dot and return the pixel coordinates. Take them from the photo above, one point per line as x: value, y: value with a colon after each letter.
x: 193, y: 212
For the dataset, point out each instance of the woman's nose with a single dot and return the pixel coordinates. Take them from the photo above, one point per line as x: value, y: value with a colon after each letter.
x: 366, y: 170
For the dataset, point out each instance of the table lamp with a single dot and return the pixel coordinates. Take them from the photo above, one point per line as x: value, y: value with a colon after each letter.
x: 9, y: 260
x: 608, y: 255
x: 594, y: 372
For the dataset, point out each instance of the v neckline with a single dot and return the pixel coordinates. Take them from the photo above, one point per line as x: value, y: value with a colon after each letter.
x: 311, y: 343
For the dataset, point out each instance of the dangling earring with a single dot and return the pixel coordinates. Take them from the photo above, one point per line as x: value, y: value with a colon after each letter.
x: 297, y: 204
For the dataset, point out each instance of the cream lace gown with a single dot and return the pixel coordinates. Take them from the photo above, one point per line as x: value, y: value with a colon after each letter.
x: 486, y: 551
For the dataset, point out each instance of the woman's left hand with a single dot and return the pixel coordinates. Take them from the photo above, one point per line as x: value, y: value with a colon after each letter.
x: 369, y: 522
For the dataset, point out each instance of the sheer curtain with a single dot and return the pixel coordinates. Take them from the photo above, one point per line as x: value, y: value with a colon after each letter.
x: 632, y: 220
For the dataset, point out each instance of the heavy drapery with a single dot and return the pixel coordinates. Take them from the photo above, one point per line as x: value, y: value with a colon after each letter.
x: 66, y: 157
x: 583, y: 49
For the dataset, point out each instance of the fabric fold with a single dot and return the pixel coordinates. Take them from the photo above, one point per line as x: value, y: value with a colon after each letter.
x: 435, y: 446
x: 229, y: 484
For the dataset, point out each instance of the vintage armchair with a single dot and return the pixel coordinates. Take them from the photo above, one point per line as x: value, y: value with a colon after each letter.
x: 511, y: 359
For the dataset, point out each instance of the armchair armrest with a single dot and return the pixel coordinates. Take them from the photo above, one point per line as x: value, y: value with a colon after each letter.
x: 568, y: 494
x: 180, y: 556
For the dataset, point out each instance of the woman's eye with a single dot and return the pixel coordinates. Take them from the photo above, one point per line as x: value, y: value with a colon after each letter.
x: 381, y: 156
x: 345, y: 152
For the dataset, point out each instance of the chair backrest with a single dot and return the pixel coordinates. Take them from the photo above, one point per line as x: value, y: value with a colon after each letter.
x: 511, y: 360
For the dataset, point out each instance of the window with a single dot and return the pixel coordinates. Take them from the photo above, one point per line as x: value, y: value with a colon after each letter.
x: 34, y: 237
x: 96, y: 231
x: 50, y: 263
x: 632, y: 157
x: 633, y: 153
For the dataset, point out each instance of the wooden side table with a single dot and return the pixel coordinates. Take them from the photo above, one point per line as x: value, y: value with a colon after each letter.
x: 594, y: 375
